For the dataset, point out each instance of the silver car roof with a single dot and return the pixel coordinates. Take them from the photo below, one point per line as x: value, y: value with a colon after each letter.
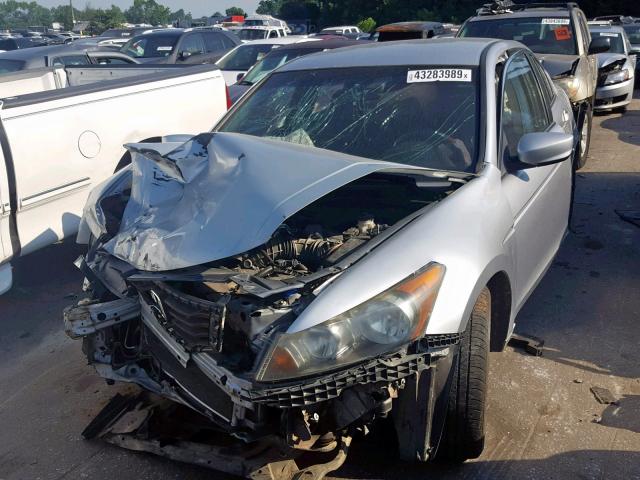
x: 606, y: 28
x: 444, y: 51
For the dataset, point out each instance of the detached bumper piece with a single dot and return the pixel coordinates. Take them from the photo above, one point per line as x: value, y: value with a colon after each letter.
x: 145, y: 421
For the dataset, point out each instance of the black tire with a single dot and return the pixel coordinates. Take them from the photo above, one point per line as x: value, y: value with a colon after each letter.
x: 584, y: 142
x: 463, y: 436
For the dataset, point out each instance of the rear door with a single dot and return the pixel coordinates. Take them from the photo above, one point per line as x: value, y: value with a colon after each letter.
x: 539, y: 197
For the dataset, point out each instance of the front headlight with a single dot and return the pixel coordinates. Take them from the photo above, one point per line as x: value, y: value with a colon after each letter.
x: 94, y: 220
x: 375, y: 327
x: 571, y: 85
x: 618, y: 76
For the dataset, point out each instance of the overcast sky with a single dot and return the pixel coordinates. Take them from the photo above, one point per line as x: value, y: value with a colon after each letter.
x: 197, y: 7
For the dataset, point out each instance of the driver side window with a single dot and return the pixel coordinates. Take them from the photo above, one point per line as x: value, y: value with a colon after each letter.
x: 523, y: 107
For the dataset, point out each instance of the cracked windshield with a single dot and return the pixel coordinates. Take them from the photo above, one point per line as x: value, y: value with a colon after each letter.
x: 377, y: 113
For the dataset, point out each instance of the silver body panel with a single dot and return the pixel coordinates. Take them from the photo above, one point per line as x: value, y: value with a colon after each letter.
x: 501, y: 222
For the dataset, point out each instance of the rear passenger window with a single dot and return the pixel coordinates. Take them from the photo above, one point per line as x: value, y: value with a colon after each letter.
x: 523, y: 106
x: 192, y: 44
x: 228, y: 44
x: 213, y: 42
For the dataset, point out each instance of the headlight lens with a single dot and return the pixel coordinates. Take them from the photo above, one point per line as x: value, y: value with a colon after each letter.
x: 94, y: 221
x: 377, y: 326
x: 571, y: 85
x: 618, y: 77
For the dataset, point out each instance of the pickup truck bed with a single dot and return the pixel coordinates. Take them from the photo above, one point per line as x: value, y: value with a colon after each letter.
x: 64, y: 131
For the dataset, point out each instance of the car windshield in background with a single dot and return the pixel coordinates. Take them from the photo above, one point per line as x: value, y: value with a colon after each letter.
x: 633, y: 32
x: 117, y: 33
x: 244, y: 57
x: 379, y: 113
x: 8, y: 66
x: 617, y: 42
x: 150, y: 46
x: 540, y: 34
x: 274, y: 60
x: 252, y: 34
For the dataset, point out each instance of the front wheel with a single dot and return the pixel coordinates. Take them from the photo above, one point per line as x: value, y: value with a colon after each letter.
x: 585, y: 137
x: 463, y: 436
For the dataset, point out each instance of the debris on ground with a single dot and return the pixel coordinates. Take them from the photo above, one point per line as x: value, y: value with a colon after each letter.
x: 148, y: 423
x: 630, y: 216
x: 530, y: 344
x: 577, y: 380
x: 603, y: 395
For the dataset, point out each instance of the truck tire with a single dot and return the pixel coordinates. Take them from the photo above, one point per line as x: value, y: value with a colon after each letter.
x: 463, y: 436
x: 584, y: 130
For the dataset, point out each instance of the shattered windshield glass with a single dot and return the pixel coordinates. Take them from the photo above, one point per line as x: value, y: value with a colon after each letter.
x: 368, y: 112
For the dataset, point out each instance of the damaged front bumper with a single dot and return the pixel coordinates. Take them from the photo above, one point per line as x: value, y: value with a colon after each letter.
x: 299, y: 412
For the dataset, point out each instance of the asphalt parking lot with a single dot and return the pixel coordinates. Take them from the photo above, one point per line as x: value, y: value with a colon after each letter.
x: 543, y: 421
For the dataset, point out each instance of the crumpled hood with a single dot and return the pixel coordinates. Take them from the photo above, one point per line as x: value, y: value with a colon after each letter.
x: 606, y: 59
x: 558, y: 65
x: 222, y: 194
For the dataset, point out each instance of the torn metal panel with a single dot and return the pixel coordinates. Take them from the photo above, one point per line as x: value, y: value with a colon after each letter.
x: 87, y: 318
x: 148, y: 423
x: 222, y: 194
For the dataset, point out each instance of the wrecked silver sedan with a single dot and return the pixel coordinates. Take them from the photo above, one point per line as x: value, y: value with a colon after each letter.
x: 346, y: 245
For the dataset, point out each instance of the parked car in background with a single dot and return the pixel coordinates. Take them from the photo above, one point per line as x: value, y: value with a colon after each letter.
x: 633, y: 34
x: 559, y: 36
x: 348, y: 244
x: 49, y: 56
x: 348, y: 31
x: 257, y: 20
x: 279, y: 57
x: 44, y: 183
x: 615, y: 19
x: 237, y: 62
x: 56, y: 38
x: 180, y: 46
x: 18, y: 43
x: 616, y: 69
x: 247, y: 34
x: 409, y: 31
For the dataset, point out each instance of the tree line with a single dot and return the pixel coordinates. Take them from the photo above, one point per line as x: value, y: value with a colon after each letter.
x: 367, y: 13
x: 371, y: 12
x: 19, y: 14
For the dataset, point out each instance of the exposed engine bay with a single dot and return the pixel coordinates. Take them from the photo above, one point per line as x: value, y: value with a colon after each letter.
x: 205, y: 336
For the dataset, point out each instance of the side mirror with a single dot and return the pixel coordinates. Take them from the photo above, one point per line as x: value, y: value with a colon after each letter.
x: 184, y: 55
x: 239, y: 77
x: 544, y: 148
x: 599, y: 45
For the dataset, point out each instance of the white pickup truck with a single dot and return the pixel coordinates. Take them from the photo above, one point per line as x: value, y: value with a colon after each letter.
x: 62, y: 131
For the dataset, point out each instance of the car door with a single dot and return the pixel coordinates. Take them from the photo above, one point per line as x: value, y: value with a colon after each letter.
x: 539, y: 197
x: 191, y: 49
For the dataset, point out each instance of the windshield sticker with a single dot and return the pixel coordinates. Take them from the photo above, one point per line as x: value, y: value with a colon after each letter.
x: 164, y: 49
x: 562, y: 33
x: 439, y: 75
x: 606, y: 34
x: 556, y: 21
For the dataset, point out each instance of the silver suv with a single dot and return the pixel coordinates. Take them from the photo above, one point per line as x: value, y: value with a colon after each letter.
x: 559, y: 36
